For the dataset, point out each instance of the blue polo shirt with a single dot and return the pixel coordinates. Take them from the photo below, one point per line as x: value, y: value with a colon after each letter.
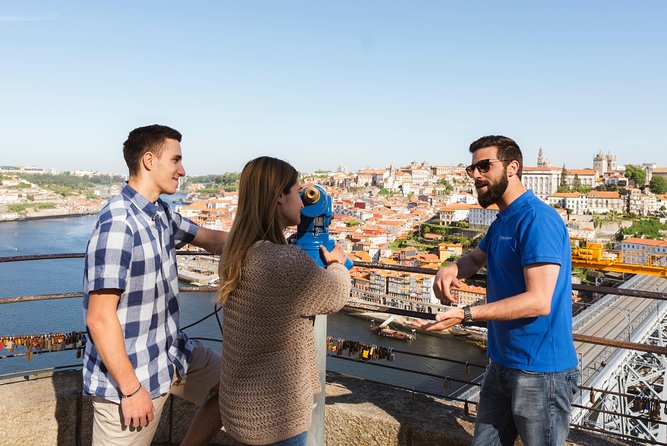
x: 527, y: 232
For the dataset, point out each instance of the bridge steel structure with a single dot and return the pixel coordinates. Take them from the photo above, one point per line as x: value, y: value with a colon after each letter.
x: 623, y: 391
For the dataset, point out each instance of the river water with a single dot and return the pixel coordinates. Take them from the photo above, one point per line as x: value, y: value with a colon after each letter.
x: 70, y: 235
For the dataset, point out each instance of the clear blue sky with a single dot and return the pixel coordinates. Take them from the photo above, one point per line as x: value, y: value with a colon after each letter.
x: 318, y: 83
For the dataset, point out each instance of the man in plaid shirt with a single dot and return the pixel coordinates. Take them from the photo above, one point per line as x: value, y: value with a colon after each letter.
x: 137, y: 356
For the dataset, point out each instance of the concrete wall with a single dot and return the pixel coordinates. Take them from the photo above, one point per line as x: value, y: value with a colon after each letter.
x: 49, y: 410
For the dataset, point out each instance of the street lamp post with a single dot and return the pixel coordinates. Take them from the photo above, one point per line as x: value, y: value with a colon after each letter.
x: 627, y: 316
x: 621, y: 311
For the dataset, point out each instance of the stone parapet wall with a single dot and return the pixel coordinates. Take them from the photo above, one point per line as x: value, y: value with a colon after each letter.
x: 48, y: 410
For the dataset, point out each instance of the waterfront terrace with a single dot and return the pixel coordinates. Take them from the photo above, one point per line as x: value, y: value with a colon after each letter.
x: 363, y: 412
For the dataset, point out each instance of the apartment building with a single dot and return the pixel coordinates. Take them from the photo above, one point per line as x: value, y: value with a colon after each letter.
x: 574, y: 202
x: 593, y: 202
x: 469, y: 295
x: 455, y: 212
x: 448, y: 250
x: 543, y: 181
x: 639, y: 203
x: 600, y: 202
x: 480, y: 217
x: 644, y: 251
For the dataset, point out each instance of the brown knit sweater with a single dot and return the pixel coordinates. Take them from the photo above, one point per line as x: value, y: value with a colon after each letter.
x: 269, y: 373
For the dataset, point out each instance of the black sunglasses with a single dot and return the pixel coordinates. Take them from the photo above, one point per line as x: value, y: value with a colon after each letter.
x: 483, y: 166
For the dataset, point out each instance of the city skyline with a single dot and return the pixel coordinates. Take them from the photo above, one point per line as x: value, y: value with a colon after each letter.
x: 526, y: 162
x: 320, y: 84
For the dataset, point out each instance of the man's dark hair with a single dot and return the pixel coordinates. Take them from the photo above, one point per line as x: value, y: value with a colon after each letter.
x: 507, y: 148
x: 146, y: 139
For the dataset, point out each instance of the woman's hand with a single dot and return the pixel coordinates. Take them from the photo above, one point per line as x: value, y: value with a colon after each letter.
x: 335, y: 255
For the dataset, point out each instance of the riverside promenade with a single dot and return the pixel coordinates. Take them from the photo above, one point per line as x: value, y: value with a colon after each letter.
x: 198, y: 270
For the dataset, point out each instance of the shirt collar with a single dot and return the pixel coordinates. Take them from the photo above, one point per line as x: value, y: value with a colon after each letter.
x: 516, y: 205
x: 141, y: 202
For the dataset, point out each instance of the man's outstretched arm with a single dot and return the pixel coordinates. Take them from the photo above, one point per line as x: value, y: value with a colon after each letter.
x: 210, y: 239
x: 540, y: 281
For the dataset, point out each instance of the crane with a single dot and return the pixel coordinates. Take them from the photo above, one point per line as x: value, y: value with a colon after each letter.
x: 594, y: 256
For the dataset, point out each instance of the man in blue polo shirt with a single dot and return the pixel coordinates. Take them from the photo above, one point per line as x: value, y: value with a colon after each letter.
x: 137, y: 355
x: 532, y: 376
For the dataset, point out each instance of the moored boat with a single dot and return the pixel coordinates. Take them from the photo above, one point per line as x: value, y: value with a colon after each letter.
x: 384, y: 330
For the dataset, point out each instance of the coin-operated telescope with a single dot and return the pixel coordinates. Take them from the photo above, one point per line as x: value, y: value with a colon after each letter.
x: 316, y: 217
x: 312, y: 232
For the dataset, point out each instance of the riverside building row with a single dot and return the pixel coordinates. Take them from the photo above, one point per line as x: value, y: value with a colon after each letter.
x: 20, y: 199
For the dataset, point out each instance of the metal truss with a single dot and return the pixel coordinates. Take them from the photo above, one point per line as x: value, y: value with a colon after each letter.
x: 629, y: 400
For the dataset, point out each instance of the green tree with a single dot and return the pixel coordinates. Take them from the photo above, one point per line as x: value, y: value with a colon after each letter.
x: 635, y: 174
x: 576, y: 182
x: 67, y: 184
x: 228, y: 181
x: 646, y: 227
x: 563, y: 187
x: 658, y: 185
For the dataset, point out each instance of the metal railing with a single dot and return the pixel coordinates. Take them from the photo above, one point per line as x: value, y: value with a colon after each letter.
x: 446, y: 380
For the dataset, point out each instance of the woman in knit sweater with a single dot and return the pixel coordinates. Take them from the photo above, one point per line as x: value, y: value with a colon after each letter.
x: 270, y: 290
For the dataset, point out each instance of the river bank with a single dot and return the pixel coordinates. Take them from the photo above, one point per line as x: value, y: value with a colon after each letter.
x: 47, y: 217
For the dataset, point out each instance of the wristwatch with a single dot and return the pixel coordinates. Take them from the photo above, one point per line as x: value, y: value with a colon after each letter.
x: 467, y: 315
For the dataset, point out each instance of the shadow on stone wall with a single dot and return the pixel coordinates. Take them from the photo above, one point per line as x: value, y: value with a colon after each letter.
x: 68, y: 410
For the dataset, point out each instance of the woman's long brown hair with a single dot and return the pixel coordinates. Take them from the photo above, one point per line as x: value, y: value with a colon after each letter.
x: 257, y: 218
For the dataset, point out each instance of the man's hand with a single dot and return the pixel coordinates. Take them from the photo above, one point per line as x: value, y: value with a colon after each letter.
x: 444, y: 281
x: 444, y: 320
x: 137, y: 410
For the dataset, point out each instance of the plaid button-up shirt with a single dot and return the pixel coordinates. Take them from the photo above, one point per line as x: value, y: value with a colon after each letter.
x: 133, y: 249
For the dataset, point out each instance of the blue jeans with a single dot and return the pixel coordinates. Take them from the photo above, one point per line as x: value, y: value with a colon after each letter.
x: 299, y: 440
x: 535, y: 406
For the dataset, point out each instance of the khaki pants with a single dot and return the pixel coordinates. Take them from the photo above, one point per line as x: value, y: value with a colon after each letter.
x: 200, y: 381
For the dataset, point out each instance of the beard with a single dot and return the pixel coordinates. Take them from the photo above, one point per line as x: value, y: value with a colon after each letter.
x: 494, y: 191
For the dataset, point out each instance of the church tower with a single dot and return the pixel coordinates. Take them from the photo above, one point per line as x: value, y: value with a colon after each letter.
x: 600, y: 164
x: 611, y: 161
x: 541, y: 161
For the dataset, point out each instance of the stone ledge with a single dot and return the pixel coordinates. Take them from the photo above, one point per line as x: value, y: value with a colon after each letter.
x: 48, y: 409
x: 369, y: 414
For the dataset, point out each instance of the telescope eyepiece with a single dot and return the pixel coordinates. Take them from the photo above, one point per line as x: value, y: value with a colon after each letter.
x: 311, y: 195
